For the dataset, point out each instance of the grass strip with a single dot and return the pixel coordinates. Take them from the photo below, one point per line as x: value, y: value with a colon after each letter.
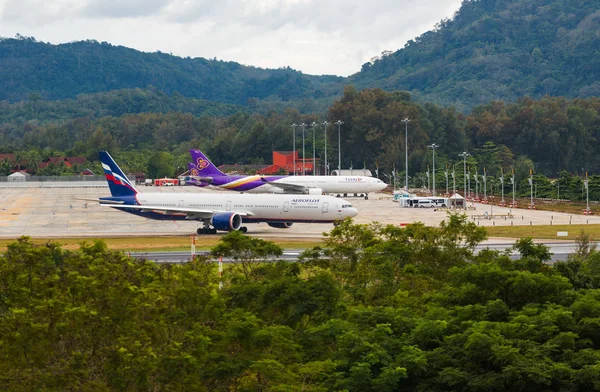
x: 544, y: 232
x: 159, y: 244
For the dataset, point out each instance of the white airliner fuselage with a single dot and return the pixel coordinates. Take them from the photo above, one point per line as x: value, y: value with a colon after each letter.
x: 327, y: 184
x: 252, y: 208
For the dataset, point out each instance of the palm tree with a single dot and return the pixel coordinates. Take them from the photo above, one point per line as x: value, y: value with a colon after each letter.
x: 33, y: 158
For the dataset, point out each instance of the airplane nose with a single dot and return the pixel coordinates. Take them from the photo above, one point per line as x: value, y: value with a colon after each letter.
x: 350, y: 212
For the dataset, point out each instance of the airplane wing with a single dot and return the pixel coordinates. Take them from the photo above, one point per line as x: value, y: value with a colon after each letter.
x: 96, y: 200
x: 208, y: 180
x: 290, y: 188
x: 192, y: 213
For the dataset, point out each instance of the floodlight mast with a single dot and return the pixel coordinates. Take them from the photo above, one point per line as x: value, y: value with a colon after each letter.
x: 303, y: 125
x: 314, y: 128
x: 339, y: 124
x: 325, y: 123
x: 464, y: 155
x: 433, y: 146
x: 406, y: 121
x: 294, y: 126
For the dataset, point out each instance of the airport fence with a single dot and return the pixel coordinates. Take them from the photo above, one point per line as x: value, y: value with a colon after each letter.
x: 56, y: 182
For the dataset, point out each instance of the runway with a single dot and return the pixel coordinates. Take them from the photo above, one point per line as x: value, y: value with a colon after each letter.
x: 560, y: 252
x: 70, y: 212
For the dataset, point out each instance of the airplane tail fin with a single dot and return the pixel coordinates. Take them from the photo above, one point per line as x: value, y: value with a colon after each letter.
x: 118, y: 183
x: 204, y: 165
x: 192, y: 169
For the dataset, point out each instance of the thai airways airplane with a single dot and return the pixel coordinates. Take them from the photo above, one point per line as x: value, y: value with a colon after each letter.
x: 209, y: 174
x: 225, y: 212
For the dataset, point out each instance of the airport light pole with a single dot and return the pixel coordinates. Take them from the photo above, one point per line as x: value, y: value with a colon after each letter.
x: 406, y: 121
x: 433, y: 146
x: 464, y: 155
x: 531, y: 186
x: 294, y: 126
x: 453, y: 180
x: 325, y: 123
x: 503, y: 203
x: 446, y: 174
x: 587, y: 194
x: 314, y: 127
x: 454, y: 185
x: 303, y: 125
x: 484, y: 185
x: 339, y: 124
x: 476, y: 185
x: 469, y: 182
x: 512, y: 181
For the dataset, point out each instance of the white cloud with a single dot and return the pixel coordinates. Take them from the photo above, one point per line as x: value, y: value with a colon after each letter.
x: 314, y: 36
x: 123, y: 8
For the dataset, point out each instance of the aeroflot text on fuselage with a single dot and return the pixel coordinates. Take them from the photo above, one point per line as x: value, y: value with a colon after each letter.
x: 306, y: 200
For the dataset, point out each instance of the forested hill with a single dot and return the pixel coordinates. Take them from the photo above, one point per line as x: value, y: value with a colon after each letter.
x: 498, y: 50
x: 490, y: 50
x: 64, y: 71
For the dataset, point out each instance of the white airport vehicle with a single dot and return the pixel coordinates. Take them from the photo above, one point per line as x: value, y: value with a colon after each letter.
x: 424, y: 202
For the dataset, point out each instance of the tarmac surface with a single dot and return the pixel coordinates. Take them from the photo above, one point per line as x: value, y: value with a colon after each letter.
x: 45, y: 212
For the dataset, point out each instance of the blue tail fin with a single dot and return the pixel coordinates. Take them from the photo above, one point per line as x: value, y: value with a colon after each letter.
x: 204, y: 165
x: 117, y: 181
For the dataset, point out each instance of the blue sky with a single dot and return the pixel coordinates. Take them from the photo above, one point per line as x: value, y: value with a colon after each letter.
x: 313, y: 36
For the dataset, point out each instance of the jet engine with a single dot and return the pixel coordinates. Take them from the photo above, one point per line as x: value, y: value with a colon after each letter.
x: 227, y: 221
x: 281, y: 225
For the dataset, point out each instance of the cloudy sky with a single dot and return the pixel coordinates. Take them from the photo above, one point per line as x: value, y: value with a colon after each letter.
x: 313, y: 36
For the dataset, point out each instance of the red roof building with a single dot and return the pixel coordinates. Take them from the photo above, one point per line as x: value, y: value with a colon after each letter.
x: 7, y: 157
x: 284, y: 160
x: 67, y: 161
x: 75, y: 160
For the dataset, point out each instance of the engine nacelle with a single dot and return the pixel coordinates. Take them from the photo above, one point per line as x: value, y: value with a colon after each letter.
x: 227, y: 221
x: 315, y: 191
x: 281, y: 225
x: 277, y: 190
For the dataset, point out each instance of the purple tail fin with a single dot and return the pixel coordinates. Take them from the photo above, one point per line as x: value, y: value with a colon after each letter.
x: 192, y: 169
x: 193, y: 178
x: 204, y: 166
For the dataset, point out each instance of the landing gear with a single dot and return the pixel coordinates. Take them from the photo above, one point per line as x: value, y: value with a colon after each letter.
x: 244, y: 229
x: 206, y: 230
x: 366, y: 197
x: 336, y: 223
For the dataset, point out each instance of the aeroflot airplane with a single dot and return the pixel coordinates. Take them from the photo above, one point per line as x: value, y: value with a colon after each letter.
x: 225, y: 212
x: 209, y: 174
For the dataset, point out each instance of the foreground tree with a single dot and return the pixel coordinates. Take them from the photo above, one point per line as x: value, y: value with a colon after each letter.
x: 377, y: 309
x: 245, y: 253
